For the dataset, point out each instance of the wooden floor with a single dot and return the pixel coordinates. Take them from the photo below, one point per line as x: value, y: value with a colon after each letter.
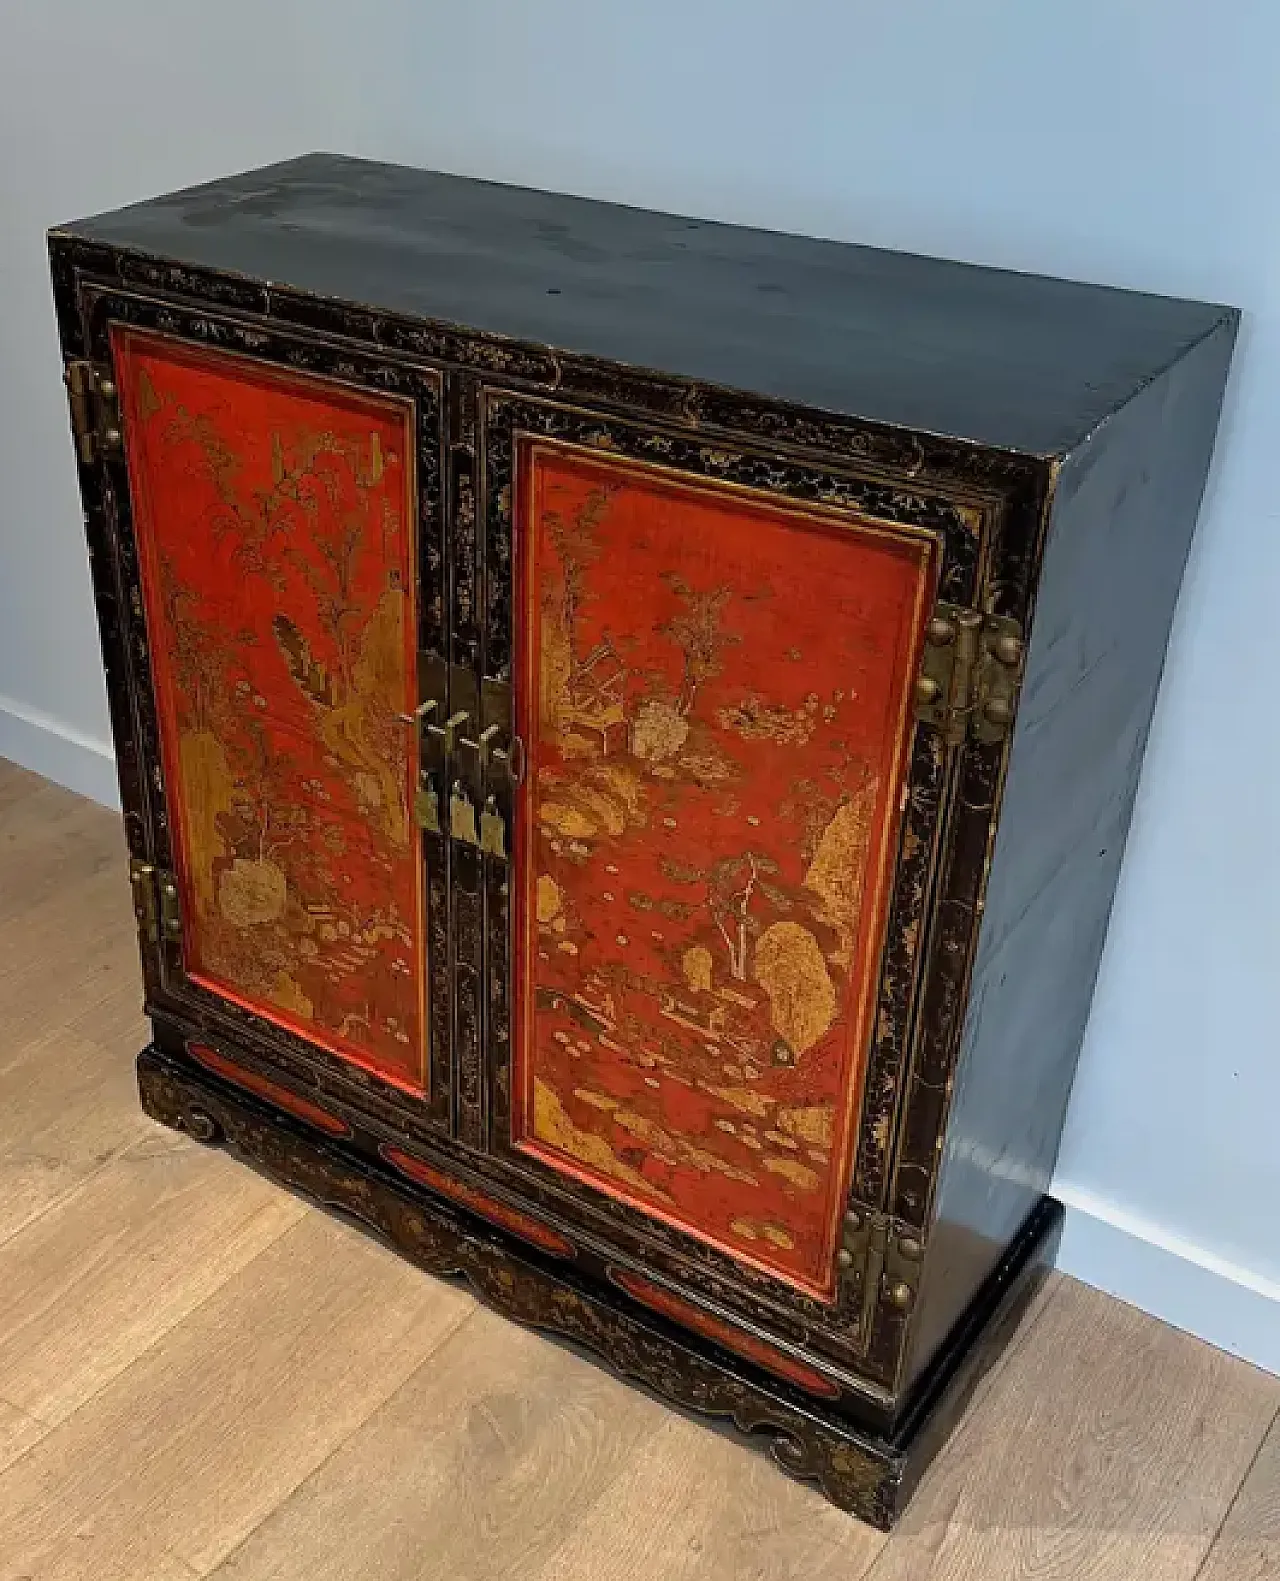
x: 199, y: 1376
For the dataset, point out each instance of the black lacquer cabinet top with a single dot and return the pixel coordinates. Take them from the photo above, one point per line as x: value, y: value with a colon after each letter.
x: 989, y: 356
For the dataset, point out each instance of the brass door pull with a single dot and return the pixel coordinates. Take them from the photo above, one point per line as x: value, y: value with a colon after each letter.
x: 511, y: 757
x: 485, y: 748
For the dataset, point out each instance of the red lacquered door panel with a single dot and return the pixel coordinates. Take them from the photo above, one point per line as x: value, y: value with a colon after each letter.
x: 715, y: 690
x: 274, y: 517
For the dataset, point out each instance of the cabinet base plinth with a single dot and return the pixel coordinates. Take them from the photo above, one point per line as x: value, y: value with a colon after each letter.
x: 869, y: 1474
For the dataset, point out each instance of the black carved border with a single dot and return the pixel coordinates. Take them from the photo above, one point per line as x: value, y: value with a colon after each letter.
x: 466, y: 559
x: 1011, y: 558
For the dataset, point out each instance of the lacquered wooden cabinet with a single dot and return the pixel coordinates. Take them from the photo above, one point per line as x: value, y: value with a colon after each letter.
x: 627, y: 729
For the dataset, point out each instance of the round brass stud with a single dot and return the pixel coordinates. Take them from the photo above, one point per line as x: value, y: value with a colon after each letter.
x: 844, y: 1258
x: 107, y: 389
x: 941, y: 631
x: 1007, y: 649
x: 853, y: 1221
x: 927, y: 690
x: 999, y: 710
x: 112, y: 438
x: 900, y: 1295
x: 909, y: 1246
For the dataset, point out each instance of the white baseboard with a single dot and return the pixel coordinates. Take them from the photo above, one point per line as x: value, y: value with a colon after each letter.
x: 1149, y: 1267
x: 1104, y: 1245
x: 46, y: 746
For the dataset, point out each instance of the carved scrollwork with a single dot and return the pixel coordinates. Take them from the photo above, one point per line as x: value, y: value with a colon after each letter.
x: 200, y: 1125
x: 856, y: 1472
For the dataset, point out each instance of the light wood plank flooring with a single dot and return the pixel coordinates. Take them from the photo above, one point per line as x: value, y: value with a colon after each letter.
x: 201, y: 1377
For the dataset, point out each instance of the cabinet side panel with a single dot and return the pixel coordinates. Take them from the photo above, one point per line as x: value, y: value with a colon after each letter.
x: 1123, y: 516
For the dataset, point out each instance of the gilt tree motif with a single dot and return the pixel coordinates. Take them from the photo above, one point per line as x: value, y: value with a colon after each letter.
x: 696, y: 630
x: 733, y: 886
x: 577, y: 548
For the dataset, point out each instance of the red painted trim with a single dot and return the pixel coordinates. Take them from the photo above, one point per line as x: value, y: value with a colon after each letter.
x: 734, y: 1339
x: 283, y: 1097
x: 521, y: 1224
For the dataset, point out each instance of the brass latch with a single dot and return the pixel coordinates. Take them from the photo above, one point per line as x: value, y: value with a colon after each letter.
x: 462, y: 815
x: 488, y: 830
x: 95, y: 410
x: 968, y: 682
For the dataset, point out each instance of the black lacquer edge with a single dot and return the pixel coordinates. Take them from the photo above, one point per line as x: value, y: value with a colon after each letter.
x: 989, y: 1319
x: 868, y: 1474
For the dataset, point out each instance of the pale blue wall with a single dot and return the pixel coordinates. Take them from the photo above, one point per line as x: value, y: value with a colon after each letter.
x: 1130, y: 141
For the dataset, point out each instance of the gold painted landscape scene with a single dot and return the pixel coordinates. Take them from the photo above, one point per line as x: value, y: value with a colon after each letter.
x: 717, y: 725
x: 277, y: 557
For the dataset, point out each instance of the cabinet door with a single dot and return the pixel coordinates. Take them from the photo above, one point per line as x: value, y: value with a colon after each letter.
x: 725, y: 852
x: 716, y: 701
x: 270, y: 536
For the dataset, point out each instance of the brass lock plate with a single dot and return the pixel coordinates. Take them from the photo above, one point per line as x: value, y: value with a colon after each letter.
x: 493, y: 830
x: 426, y: 807
x: 462, y: 815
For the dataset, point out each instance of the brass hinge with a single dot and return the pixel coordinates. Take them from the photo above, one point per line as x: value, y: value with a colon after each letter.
x: 888, y: 1256
x: 146, y: 900
x: 95, y: 410
x: 968, y: 682
x: 156, y: 903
